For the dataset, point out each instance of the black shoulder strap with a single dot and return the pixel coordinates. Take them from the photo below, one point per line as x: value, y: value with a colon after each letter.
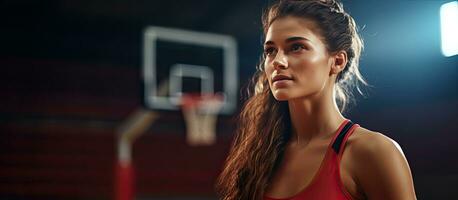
x: 338, y: 141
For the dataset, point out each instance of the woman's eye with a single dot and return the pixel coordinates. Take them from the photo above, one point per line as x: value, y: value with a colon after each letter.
x: 269, y: 51
x: 297, y: 47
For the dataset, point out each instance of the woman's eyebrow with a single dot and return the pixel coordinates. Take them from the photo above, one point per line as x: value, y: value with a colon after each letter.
x: 288, y: 40
x: 296, y: 38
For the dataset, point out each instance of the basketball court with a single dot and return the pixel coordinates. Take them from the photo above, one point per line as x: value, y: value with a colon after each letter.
x: 185, y: 72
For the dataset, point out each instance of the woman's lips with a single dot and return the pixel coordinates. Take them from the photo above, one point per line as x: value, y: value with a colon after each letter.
x: 279, y: 77
x: 281, y: 80
x: 281, y: 83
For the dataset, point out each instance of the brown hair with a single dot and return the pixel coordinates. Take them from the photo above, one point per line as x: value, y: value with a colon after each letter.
x: 264, y: 123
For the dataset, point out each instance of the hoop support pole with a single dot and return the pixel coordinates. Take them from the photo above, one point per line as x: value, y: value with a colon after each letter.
x: 128, y: 131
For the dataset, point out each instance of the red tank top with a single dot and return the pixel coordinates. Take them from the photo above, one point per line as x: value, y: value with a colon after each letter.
x: 326, y: 184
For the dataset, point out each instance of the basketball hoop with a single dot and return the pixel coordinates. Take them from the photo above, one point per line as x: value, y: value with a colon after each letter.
x: 200, y: 112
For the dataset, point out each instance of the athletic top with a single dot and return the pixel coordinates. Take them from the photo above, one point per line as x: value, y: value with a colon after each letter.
x: 326, y: 184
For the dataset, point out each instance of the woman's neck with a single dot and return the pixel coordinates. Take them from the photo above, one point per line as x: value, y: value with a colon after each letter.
x: 313, y: 119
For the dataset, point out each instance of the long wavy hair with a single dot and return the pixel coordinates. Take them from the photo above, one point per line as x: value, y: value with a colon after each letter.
x: 264, y: 126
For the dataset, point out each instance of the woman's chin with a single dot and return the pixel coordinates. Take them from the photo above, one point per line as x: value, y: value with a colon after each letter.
x: 281, y: 96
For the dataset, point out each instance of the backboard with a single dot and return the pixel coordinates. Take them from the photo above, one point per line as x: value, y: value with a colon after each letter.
x: 180, y: 61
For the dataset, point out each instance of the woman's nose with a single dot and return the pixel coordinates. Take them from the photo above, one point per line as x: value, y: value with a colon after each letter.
x: 280, y: 62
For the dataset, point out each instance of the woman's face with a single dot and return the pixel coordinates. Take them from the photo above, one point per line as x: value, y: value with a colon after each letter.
x: 297, y: 63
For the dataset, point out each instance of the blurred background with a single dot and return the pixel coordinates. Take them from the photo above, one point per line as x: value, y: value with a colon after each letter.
x: 70, y: 75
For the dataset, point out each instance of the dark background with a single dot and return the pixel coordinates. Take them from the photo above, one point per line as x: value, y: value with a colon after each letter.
x: 70, y: 74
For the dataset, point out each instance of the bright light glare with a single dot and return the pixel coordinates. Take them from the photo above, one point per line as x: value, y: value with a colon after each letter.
x: 449, y: 28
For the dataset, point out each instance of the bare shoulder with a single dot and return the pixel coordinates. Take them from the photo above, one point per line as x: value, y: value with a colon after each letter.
x: 364, y: 142
x: 379, y: 166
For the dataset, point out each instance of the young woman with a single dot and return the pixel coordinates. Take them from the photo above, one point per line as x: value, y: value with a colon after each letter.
x: 292, y: 136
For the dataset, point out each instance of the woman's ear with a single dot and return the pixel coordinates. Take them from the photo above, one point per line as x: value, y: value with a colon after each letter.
x: 340, y: 61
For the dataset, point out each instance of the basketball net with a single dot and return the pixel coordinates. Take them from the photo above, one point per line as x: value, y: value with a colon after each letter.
x: 200, y: 113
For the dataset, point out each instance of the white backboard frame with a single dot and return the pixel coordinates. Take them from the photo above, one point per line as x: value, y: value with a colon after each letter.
x: 230, y: 68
